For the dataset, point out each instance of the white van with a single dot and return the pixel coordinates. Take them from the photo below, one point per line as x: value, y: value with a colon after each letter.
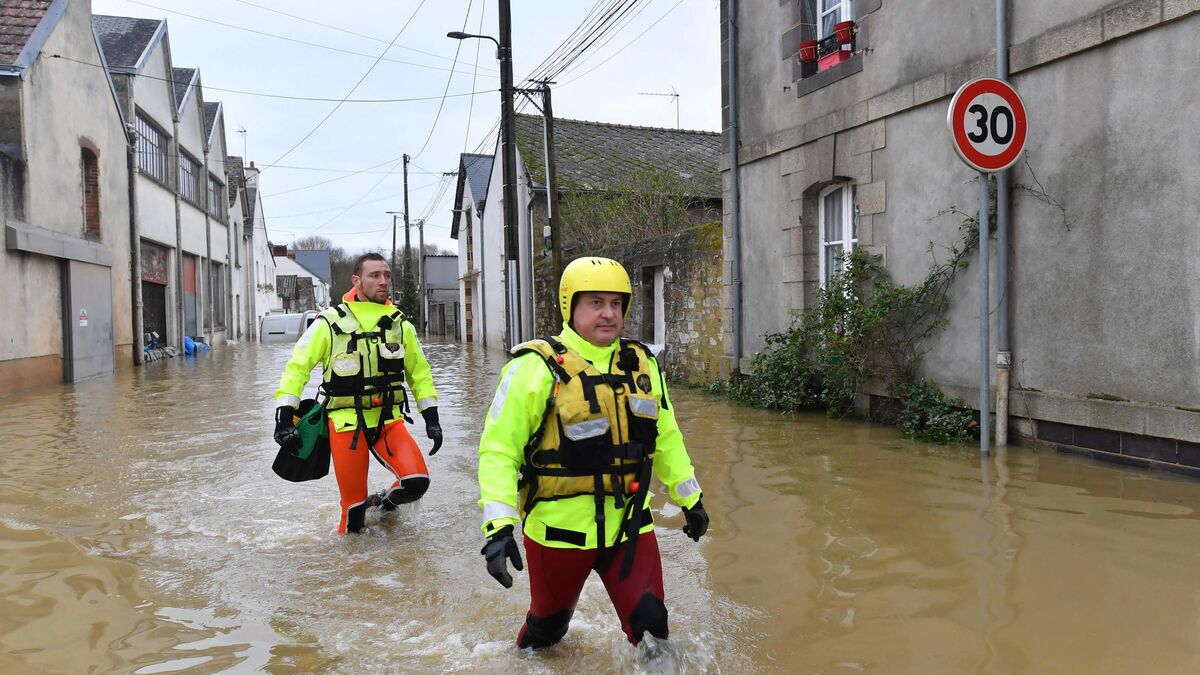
x: 284, y: 327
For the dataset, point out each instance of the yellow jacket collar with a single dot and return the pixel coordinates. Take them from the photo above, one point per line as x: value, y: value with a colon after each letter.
x: 366, y: 313
x: 599, y: 356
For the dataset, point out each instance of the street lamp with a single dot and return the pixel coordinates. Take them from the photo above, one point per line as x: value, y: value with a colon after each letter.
x: 515, y: 326
x: 459, y: 35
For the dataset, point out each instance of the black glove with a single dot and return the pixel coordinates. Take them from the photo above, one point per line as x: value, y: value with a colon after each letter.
x: 500, y: 546
x: 433, y: 428
x: 697, y: 521
x: 286, y: 434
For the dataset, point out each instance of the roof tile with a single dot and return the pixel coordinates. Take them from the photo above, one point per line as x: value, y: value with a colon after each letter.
x: 601, y: 156
x: 18, y: 20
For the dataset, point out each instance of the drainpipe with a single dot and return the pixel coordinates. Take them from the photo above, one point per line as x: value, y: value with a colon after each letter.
x: 135, y: 250
x: 1003, y: 345
x: 173, y: 178
x: 735, y: 274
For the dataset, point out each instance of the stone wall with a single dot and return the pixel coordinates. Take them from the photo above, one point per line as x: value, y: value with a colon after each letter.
x: 691, y: 264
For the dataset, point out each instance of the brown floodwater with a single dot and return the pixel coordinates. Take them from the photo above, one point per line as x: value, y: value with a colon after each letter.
x: 142, y: 531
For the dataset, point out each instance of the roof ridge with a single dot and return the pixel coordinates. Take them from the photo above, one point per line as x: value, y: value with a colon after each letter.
x: 624, y: 126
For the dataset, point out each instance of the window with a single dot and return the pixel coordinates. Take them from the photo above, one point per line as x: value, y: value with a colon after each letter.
x: 189, y: 178
x: 833, y: 12
x: 839, y: 228
x: 91, y: 192
x: 470, y: 242
x: 151, y: 150
x: 216, y: 197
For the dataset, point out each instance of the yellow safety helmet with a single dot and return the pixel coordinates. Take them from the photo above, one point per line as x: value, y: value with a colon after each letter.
x: 592, y: 274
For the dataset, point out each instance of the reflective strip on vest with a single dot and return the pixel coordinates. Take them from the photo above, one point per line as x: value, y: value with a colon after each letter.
x: 426, y: 403
x: 588, y: 429
x: 502, y: 394
x: 687, y: 488
x: 494, y: 510
x: 288, y: 399
x: 644, y: 407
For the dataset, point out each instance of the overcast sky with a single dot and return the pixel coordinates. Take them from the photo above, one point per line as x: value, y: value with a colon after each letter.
x: 679, y: 47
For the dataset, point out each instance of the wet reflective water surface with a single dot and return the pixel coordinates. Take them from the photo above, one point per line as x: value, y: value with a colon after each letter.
x: 142, y: 531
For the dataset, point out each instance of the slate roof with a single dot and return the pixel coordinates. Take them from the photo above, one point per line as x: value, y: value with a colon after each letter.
x: 319, y: 262
x: 181, y: 81
x: 210, y: 117
x: 251, y: 200
x: 18, y: 19
x: 479, y: 174
x: 600, y: 156
x: 124, y: 38
x: 474, y: 170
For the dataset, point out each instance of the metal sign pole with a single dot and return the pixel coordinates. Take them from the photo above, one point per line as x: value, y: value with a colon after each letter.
x: 984, y: 336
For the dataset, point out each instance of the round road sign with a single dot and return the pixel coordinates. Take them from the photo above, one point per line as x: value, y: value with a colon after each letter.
x: 987, y: 124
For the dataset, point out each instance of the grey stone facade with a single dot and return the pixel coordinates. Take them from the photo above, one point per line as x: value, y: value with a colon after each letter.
x: 1104, y: 293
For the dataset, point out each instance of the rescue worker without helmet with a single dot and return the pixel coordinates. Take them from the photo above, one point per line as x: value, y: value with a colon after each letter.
x: 577, y: 424
x: 368, y: 351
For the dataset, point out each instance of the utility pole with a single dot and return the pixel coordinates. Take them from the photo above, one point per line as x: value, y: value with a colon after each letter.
x: 423, y: 305
x: 552, y: 182
x: 509, y: 168
x: 392, y: 268
x: 405, y: 225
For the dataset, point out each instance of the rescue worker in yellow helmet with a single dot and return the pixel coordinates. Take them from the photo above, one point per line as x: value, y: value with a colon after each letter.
x: 368, y: 352
x: 578, y: 423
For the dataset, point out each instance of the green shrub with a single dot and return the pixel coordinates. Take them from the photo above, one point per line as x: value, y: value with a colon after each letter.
x: 926, y: 414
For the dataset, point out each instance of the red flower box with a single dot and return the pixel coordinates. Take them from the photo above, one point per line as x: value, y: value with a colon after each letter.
x: 832, y: 59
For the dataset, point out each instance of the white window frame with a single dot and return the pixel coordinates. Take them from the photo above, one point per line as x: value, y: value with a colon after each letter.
x: 843, y: 9
x: 849, y: 239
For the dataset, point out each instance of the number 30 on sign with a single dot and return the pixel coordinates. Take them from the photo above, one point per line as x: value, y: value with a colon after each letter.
x: 987, y: 124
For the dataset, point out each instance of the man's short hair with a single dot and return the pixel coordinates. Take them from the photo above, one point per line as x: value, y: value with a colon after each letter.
x: 358, y: 262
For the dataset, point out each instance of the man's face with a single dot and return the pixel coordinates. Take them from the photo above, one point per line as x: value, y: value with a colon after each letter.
x: 599, y: 317
x: 375, y: 282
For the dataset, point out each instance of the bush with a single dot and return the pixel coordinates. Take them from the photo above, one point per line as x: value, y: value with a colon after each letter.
x: 926, y: 414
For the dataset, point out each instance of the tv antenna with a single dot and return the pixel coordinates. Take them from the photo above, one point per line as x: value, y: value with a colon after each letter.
x: 674, y: 94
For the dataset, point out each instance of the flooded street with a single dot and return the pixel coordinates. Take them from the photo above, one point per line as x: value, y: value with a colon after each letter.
x: 142, y: 530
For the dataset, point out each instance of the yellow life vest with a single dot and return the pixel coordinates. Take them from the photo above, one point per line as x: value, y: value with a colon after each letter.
x: 366, y: 368
x: 598, y: 432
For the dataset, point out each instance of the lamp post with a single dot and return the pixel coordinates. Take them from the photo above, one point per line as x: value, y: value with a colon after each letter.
x: 514, y: 326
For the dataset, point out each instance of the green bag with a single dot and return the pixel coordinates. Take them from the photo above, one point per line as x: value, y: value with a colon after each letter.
x: 314, y: 428
x: 311, y: 460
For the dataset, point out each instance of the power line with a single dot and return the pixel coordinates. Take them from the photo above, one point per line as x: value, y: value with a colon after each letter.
x: 474, y: 73
x: 343, y: 30
x: 607, y: 39
x: 356, y: 202
x: 392, y: 161
x: 281, y: 37
x: 627, y: 44
x: 354, y: 171
x: 449, y: 79
x: 369, y: 201
x: 357, y: 84
x: 282, y: 96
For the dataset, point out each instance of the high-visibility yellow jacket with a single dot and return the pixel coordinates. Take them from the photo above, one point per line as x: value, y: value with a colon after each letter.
x: 317, y: 345
x: 517, y: 412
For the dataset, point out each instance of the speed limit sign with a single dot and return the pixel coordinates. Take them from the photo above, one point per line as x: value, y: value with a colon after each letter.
x: 987, y: 124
